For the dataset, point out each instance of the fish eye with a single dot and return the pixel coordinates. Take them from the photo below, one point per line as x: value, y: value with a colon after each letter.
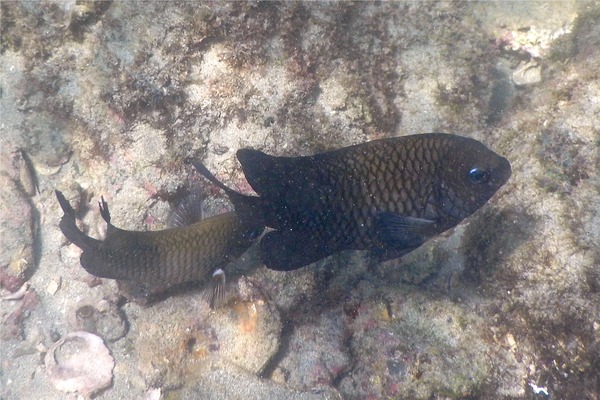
x: 479, y: 175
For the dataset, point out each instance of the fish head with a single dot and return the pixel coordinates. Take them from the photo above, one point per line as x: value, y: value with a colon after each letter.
x: 470, y: 175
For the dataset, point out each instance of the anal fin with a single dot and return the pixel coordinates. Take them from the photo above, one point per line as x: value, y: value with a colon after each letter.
x: 287, y: 250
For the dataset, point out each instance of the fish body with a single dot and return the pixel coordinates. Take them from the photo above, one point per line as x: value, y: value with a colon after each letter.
x: 157, y: 260
x: 387, y: 196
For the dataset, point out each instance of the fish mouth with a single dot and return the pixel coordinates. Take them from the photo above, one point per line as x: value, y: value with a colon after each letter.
x: 503, y: 172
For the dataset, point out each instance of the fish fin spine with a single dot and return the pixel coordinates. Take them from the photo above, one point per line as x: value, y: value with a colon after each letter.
x: 217, y: 289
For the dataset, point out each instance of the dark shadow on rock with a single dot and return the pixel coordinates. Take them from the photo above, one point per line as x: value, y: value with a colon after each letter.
x: 490, y: 239
x: 501, y: 97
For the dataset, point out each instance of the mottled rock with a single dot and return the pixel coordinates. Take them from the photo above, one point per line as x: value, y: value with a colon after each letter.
x: 18, y: 227
x: 102, y: 318
x: 14, y: 313
x: 415, y: 347
x: 221, y: 380
x: 247, y: 332
x: 244, y: 332
x: 316, y: 354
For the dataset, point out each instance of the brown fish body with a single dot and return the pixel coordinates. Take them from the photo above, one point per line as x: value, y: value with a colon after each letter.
x: 157, y: 260
x: 175, y: 255
x: 387, y: 196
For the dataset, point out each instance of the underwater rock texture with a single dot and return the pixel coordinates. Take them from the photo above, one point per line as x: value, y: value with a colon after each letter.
x: 105, y: 100
x: 244, y: 334
x: 18, y: 225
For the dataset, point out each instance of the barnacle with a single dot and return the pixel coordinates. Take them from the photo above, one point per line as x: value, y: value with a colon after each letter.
x: 103, y: 319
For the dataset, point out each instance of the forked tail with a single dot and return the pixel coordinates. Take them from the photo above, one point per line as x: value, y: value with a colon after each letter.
x: 69, y: 228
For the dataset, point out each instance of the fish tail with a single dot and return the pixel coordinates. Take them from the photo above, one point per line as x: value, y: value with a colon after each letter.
x: 247, y: 207
x: 69, y: 227
x: 103, y: 206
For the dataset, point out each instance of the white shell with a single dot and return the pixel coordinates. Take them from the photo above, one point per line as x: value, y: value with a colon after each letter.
x: 85, y: 364
x: 527, y: 74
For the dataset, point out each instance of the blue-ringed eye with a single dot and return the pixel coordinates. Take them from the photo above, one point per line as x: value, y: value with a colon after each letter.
x: 479, y: 175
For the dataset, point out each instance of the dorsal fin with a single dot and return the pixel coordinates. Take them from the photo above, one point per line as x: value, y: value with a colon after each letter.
x: 248, y: 208
x: 261, y: 171
x: 189, y: 210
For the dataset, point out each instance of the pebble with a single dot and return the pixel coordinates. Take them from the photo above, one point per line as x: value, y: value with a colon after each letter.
x: 53, y: 286
x: 18, y: 294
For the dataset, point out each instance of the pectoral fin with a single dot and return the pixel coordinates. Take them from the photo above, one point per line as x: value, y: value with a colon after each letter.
x: 401, y: 232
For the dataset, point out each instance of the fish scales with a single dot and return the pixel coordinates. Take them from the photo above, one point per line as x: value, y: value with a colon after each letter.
x: 380, y: 182
x: 387, y: 196
x: 154, y: 261
x: 175, y: 255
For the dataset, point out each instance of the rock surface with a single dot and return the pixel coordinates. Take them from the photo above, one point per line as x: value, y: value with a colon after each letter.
x: 106, y: 101
x: 244, y: 333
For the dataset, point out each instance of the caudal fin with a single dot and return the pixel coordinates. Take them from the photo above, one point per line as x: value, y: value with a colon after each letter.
x: 69, y: 227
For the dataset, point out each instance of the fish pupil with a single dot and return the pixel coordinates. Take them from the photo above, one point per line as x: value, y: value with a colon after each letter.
x: 479, y: 175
